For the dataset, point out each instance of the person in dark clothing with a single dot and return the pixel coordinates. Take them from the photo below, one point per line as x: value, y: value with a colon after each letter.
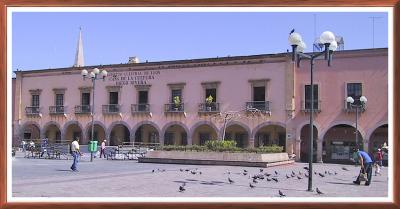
x: 366, y: 166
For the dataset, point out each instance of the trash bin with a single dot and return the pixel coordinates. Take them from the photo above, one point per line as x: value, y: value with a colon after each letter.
x: 92, y: 146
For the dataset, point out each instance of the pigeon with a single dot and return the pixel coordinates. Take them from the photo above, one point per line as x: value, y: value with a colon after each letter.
x: 276, y: 172
x: 299, y: 177
x: 230, y: 180
x: 335, y: 173
x: 181, y: 170
x: 329, y: 173
x: 182, y: 187
x: 255, y: 181
x: 326, y: 172
x: 319, y: 191
x: 267, y: 174
x: 306, y: 168
x: 315, y: 172
x: 200, y: 172
x: 292, y: 31
x: 261, y: 170
x: 152, y: 171
x: 293, y: 173
x: 244, y: 174
x: 251, y: 185
x: 275, y: 179
x: 344, y: 168
x: 320, y: 174
x: 187, y: 170
x: 268, y: 179
x: 244, y: 170
x: 287, y: 176
x: 193, y: 172
x: 281, y: 194
x: 306, y: 175
x: 261, y: 177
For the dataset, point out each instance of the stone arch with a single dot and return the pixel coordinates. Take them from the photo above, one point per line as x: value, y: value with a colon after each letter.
x: 301, y: 125
x: 67, y: 124
x: 46, y: 126
x: 268, y: 123
x: 377, y: 137
x: 115, y: 123
x: 323, y: 132
x: 231, y: 123
x: 242, y: 140
x: 172, y: 123
x: 146, y: 122
x: 371, y: 130
x: 25, y: 125
x: 304, y: 143
x: 210, y: 136
x: 89, y: 126
x: 204, y: 122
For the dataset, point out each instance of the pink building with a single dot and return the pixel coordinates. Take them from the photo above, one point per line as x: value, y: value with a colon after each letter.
x: 135, y: 102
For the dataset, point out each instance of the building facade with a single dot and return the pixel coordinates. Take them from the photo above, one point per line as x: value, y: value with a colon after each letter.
x: 135, y: 102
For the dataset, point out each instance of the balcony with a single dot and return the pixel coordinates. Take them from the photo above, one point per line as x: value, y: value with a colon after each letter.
x: 112, y: 109
x: 57, y: 110
x: 140, y: 108
x: 352, y: 107
x: 212, y: 107
x: 262, y: 106
x: 306, y: 106
x: 172, y: 108
x: 33, y: 111
x: 83, y: 109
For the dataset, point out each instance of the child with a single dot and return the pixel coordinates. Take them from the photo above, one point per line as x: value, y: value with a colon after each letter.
x: 377, y: 169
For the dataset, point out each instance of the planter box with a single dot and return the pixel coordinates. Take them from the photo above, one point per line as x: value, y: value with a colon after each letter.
x: 216, y: 158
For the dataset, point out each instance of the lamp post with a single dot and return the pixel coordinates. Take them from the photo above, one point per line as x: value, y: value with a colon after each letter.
x: 361, y: 106
x: 328, y: 39
x: 93, y: 77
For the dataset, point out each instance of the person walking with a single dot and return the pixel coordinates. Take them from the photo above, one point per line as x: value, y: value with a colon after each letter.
x: 379, y: 158
x: 366, y: 167
x: 103, y: 148
x: 76, y: 153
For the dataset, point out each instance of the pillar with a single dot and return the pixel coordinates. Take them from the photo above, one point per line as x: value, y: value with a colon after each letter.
x: 251, y: 143
x: 297, y: 148
x: 319, y: 150
x: 366, y: 145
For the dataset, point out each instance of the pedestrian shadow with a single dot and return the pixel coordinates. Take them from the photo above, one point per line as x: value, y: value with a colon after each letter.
x: 347, y: 183
x: 69, y: 170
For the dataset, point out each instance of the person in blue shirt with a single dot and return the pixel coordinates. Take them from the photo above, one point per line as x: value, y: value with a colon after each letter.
x: 366, y: 166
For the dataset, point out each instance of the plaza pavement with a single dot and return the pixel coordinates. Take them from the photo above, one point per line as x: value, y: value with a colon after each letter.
x: 113, y: 178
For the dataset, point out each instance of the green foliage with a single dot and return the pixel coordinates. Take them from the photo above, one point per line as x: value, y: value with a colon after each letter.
x: 209, y: 99
x: 177, y: 101
x: 222, y: 146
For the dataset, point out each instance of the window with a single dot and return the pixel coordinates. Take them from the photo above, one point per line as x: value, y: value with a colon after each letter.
x: 143, y: 97
x: 354, y: 90
x: 213, y: 93
x: 85, y: 99
x: 59, y: 99
x: 113, y: 98
x: 259, y: 93
x: 176, y: 92
x: 307, y: 97
x: 35, y: 101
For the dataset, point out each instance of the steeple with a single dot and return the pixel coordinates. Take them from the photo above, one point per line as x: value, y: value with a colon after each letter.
x: 79, y: 62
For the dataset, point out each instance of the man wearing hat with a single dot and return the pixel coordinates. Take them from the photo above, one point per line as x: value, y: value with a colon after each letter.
x: 103, y: 149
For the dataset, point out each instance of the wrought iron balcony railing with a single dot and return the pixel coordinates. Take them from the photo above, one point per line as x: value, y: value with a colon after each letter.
x: 83, y: 109
x: 209, y: 107
x: 112, y: 109
x: 140, y: 108
x: 172, y: 107
x: 259, y: 105
x: 32, y: 110
x: 59, y: 109
x: 306, y: 105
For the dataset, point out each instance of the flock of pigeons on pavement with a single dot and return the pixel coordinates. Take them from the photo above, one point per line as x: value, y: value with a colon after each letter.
x: 254, y: 179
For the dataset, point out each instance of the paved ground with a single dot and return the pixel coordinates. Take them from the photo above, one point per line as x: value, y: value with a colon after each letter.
x: 111, y: 178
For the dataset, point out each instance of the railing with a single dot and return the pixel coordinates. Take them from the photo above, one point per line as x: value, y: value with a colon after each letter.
x: 111, y: 109
x: 82, y: 109
x: 306, y: 105
x: 348, y: 107
x: 33, y: 110
x: 171, y: 107
x: 260, y: 105
x: 140, y: 108
x: 59, y: 109
x: 209, y: 107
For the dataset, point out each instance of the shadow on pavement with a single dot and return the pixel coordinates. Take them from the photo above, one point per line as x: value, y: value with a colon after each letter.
x: 342, y: 183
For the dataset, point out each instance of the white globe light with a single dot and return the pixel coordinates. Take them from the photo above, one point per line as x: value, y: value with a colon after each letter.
x: 333, y: 46
x: 350, y: 99
x: 96, y: 71
x: 327, y: 37
x: 301, y: 47
x: 92, y: 75
x: 295, y: 39
x: 104, y: 73
x: 84, y: 72
x: 363, y: 99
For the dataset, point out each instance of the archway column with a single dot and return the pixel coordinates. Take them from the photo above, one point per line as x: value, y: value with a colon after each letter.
x: 319, y: 150
x: 297, y: 148
x: 251, y: 143
x: 366, y: 145
x: 189, y: 141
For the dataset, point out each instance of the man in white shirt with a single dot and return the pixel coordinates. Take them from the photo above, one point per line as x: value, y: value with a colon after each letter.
x: 76, y: 153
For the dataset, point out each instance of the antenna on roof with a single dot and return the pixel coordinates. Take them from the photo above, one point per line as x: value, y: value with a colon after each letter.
x: 373, y: 29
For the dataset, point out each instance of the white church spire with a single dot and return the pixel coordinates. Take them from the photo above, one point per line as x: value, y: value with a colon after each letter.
x: 79, y: 62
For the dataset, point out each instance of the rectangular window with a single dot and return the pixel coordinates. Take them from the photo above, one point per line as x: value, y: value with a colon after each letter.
x: 35, y: 101
x: 59, y: 99
x: 113, y: 98
x: 176, y: 92
x: 213, y: 93
x: 354, y: 90
x: 143, y: 97
x: 259, y: 93
x: 307, y: 97
x: 85, y: 99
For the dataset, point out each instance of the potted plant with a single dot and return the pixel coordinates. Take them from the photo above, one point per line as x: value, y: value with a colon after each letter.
x: 209, y: 101
x: 177, y: 102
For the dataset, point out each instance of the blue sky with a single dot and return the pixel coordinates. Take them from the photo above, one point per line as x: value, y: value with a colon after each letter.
x: 48, y: 40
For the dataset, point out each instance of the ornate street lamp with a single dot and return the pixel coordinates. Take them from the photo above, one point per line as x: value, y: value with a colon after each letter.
x: 94, y: 75
x: 361, y: 107
x: 327, y: 38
